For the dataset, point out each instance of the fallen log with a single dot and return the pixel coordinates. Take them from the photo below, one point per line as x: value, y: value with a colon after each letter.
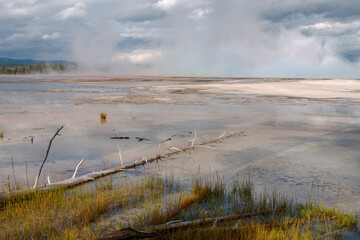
x: 177, y: 225
x: 206, y: 221
x: 75, y: 181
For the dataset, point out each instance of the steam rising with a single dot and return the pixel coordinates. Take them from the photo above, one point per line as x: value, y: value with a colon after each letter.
x: 201, y: 37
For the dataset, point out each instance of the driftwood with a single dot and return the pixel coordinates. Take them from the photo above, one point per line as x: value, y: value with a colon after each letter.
x: 169, y: 139
x: 142, y: 139
x: 116, y: 137
x: 46, y: 155
x: 178, y: 225
x: 75, y: 181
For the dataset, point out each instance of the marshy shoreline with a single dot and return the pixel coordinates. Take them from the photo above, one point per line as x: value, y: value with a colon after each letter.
x: 153, y: 206
x: 302, y: 134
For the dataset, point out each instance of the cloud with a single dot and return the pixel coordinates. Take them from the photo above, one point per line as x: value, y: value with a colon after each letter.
x: 200, y: 13
x: 78, y: 10
x: 52, y: 36
x: 166, y: 4
x: 130, y: 43
x: 188, y: 37
x: 137, y: 57
x: 15, y: 36
x: 137, y: 12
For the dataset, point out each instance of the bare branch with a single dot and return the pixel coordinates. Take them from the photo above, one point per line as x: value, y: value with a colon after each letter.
x: 205, y: 146
x: 215, y: 222
x: 77, y: 167
x: 175, y: 148
x: 120, y: 150
x: 222, y: 135
x: 46, y: 155
x: 193, y: 141
x: 144, y: 159
x: 159, y: 147
x: 72, y: 182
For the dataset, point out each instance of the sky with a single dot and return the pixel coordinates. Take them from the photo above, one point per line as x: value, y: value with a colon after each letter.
x: 260, y: 38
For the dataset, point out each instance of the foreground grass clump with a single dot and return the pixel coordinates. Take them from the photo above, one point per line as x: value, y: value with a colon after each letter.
x: 273, y: 217
x: 139, y: 208
x: 73, y: 214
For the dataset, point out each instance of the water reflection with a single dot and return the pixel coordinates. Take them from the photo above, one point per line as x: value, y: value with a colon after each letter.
x: 288, y: 144
x: 103, y: 121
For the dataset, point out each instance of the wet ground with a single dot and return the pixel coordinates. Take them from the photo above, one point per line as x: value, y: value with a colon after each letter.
x: 303, y: 144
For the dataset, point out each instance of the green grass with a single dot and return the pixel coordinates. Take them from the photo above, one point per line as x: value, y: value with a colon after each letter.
x: 107, y: 206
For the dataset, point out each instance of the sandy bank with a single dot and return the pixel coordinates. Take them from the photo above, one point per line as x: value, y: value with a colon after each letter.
x: 140, y: 99
x: 317, y: 89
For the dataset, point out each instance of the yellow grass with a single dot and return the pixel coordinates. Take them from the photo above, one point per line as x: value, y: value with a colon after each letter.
x: 85, y: 213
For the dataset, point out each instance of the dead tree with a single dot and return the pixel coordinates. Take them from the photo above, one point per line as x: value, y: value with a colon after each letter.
x: 75, y: 181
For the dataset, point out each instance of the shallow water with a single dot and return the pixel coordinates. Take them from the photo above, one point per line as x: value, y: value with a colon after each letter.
x: 300, y: 145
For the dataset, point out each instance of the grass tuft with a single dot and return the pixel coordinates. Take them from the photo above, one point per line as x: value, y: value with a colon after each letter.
x: 108, y: 206
x: 103, y: 116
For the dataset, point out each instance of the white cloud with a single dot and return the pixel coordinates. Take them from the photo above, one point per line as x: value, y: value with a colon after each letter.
x: 13, y: 10
x: 143, y: 57
x: 137, y: 57
x: 15, y: 36
x: 323, y: 25
x: 53, y: 36
x: 20, y: 11
x: 78, y: 10
x: 200, y: 13
x: 22, y: 36
x: 166, y: 4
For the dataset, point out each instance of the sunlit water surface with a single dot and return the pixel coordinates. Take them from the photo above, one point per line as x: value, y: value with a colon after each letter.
x: 301, y: 146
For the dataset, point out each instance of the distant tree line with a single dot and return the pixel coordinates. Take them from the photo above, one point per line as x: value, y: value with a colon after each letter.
x: 36, y: 68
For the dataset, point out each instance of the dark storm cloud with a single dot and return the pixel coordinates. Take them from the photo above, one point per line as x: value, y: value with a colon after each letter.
x: 332, y: 9
x: 352, y: 56
x: 328, y: 21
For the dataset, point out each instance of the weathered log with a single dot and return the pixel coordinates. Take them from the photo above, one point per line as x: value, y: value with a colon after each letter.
x: 178, y: 225
x: 72, y: 182
x: 206, y: 221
